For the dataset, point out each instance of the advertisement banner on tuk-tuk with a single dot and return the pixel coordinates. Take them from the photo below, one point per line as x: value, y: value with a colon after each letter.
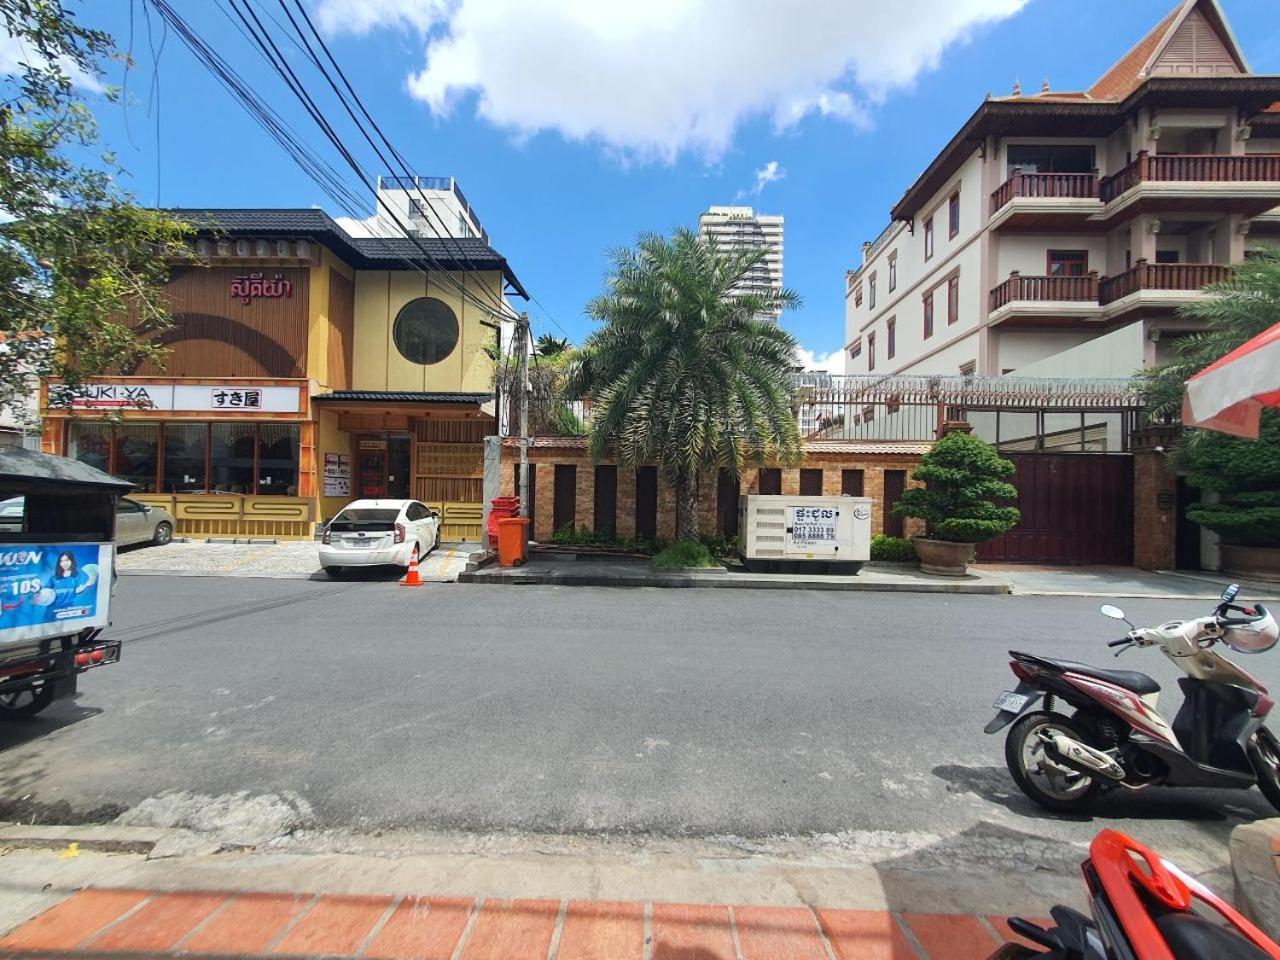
x: 50, y: 590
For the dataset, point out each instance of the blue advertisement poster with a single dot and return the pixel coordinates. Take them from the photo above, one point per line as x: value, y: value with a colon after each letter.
x: 47, y: 590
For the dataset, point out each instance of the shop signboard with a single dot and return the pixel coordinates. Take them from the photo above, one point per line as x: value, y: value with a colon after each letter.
x: 53, y: 589
x: 175, y: 397
x: 812, y: 529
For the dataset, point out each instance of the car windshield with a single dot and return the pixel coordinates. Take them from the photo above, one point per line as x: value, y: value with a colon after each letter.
x: 365, y: 518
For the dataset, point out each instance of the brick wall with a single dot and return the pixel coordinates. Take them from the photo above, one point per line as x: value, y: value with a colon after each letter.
x: 571, y: 451
x: 1155, y: 510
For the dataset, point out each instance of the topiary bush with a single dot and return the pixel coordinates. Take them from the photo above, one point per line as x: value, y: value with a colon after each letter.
x: 962, y: 475
x: 1246, y: 476
x: 887, y: 549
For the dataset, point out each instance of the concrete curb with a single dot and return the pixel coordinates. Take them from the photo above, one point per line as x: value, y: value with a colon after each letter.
x: 723, y: 581
x: 1255, y: 863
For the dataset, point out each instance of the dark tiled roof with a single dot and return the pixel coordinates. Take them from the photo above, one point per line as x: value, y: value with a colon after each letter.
x: 400, y: 396
x: 368, y: 253
x: 19, y: 464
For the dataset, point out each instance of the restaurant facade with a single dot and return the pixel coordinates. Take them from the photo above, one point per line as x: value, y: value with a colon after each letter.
x: 304, y: 368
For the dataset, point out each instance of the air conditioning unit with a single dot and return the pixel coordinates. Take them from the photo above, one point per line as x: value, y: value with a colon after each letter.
x: 796, y: 532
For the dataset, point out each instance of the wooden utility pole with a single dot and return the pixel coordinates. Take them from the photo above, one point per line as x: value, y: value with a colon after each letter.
x: 522, y: 384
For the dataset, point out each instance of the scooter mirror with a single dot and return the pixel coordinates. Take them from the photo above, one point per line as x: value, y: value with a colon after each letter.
x: 1109, y: 610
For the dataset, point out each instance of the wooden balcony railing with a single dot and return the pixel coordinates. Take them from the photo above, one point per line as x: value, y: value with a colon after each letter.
x: 1076, y: 185
x: 1073, y: 289
x: 1208, y: 168
x: 1161, y: 276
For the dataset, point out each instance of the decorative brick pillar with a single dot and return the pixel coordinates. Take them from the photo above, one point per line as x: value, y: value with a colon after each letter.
x: 873, y: 487
x: 790, y: 482
x: 544, y: 500
x: 708, y: 494
x: 1155, y: 500
x: 626, y: 502
x: 584, y: 499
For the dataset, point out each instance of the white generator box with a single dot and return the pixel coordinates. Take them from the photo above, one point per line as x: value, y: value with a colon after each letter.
x: 832, y: 530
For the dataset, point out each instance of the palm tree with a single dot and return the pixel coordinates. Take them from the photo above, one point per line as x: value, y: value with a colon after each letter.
x: 684, y: 373
x: 550, y: 346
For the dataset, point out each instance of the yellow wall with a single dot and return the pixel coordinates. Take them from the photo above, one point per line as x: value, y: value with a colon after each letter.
x: 332, y: 440
x: 378, y: 365
x: 319, y: 329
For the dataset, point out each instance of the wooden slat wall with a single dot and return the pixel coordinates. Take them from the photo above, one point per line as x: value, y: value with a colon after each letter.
x: 215, y: 334
x: 448, y: 460
x: 342, y: 319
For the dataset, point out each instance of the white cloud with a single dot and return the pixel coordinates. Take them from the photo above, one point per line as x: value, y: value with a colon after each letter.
x: 832, y: 362
x: 769, y: 173
x: 657, y: 79
x: 15, y: 56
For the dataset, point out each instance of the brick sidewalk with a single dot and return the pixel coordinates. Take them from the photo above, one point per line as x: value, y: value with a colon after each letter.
x: 93, y: 923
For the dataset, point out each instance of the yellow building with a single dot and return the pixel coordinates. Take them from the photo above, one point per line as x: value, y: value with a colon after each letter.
x: 305, y: 368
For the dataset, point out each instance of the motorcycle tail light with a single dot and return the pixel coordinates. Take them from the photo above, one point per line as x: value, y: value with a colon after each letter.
x: 1263, y: 706
x: 1021, y: 670
x: 399, y: 533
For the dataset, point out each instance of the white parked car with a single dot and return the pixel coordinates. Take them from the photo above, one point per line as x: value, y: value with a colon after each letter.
x: 373, y: 532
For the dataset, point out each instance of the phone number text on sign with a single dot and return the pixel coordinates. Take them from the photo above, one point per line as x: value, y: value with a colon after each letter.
x: 812, y: 525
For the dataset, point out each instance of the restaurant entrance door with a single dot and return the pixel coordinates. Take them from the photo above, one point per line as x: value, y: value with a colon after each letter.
x: 382, y: 467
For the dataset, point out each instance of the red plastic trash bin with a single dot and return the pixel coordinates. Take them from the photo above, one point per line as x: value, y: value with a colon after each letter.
x: 513, y: 541
x: 500, y: 508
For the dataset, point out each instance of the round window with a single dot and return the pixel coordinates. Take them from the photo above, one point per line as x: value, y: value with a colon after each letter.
x: 425, y: 331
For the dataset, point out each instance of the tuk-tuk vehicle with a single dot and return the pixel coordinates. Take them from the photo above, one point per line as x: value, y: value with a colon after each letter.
x: 57, y: 563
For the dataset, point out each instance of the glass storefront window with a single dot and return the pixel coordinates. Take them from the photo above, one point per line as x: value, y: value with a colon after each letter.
x: 91, y: 443
x: 278, y: 459
x: 231, y: 458
x: 137, y: 448
x: 184, y: 457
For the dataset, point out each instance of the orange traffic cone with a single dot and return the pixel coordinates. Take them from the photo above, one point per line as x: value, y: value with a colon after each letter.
x: 411, y: 579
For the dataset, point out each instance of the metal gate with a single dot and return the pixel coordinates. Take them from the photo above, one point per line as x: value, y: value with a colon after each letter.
x: 1076, y: 508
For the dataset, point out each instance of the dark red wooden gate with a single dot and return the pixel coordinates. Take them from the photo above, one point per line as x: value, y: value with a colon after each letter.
x: 1076, y: 508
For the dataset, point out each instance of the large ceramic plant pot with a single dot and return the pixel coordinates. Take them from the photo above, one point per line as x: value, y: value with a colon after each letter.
x: 943, y: 557
x: 1252, y: 563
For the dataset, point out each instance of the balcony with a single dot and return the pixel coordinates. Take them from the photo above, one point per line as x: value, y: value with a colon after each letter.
x: 1033, y: 300
x: 1157, y: 284
x: 1248, y: 184
x: 1044, y: 200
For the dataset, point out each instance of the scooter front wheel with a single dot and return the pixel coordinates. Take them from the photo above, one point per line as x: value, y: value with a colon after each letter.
x: 1048, y: 784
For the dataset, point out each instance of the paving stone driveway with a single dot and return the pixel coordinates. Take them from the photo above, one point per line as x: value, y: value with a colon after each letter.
x: 288, y: 559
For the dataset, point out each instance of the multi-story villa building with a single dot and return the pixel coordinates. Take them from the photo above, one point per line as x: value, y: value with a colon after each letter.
x: 1057, y: 233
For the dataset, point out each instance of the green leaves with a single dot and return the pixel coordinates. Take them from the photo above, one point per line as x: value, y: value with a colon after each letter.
x: 683, y: 373
x: 82, y: 268
x: 962, y: 475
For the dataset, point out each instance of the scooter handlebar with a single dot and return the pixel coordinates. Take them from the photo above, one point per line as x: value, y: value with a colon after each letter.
x: 1119, y: 643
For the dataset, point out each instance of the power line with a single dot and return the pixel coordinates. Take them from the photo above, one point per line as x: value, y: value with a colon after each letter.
x: 404, y: 167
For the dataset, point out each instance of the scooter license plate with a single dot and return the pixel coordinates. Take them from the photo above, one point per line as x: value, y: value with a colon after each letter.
x: 1013, y: 702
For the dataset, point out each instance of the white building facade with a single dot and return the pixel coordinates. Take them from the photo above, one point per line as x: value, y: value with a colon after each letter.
x: 426, y: 206
x: 1052, y: 220
x: 740, y: 228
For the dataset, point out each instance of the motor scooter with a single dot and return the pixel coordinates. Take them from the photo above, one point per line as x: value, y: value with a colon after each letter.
x: 1116, y: 738
x: 1144, y: 908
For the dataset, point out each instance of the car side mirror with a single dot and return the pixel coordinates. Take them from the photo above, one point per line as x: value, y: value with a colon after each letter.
x: 146, y: 508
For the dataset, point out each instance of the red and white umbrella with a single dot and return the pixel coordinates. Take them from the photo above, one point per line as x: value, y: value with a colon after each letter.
x: 1230, y: 394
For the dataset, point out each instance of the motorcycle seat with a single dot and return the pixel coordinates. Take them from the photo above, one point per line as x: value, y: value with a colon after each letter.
x: 1139, y: 683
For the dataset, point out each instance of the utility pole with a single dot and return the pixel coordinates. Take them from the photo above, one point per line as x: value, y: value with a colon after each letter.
x: 522, y: 384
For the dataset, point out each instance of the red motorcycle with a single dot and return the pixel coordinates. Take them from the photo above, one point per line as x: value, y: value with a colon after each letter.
x: 1144, y: 908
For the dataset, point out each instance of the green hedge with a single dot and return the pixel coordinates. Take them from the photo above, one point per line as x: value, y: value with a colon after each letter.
x: 887, y: 549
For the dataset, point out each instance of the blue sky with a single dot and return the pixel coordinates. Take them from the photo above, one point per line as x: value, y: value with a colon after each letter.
x: 572, y: 127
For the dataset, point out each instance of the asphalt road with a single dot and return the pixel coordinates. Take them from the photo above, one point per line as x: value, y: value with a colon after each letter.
x: 674, y: 712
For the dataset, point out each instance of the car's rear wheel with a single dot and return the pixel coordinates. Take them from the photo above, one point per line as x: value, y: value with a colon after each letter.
x: 21, y: 704
x: 163, y: 533
x: 335, y: 573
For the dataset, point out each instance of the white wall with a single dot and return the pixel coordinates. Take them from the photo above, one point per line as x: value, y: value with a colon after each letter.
x: 1019, y: 348
x: 1027, y: 253
x: 1115, y: 354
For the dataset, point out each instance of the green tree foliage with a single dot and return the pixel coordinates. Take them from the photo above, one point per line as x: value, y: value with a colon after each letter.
x: 1244, y: 473
x: 683, y: 372
x: 962, y: 474
x: 550, y: 346
x: 82, y: 267
x: 1246, y: 476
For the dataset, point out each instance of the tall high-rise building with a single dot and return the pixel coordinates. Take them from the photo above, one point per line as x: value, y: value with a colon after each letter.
x: 736, y: 228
